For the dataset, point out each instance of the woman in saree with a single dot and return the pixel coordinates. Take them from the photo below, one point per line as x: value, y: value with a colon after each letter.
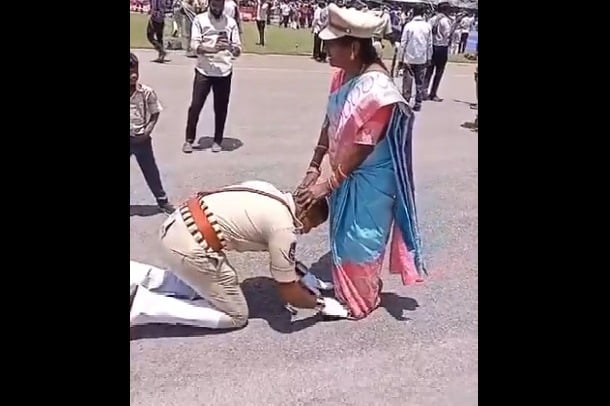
x: 367, y: 136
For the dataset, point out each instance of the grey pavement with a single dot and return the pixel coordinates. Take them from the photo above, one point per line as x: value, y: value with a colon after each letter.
x: 419, y: 349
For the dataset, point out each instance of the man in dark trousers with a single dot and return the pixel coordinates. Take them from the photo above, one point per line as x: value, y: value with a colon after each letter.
x: 154, y: 29
x: 320, y: 19
x: 262, y: 10
x: 144, y: 110
x: 215, y: 40
x: 415, y: 54
x: 441, y: 35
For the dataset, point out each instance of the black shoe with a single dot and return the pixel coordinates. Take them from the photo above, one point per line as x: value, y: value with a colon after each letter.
x: 436, y: 98
x: 166, y: 207
x: 132, y: 295
x: 417, y: 107
x: 161, y: 58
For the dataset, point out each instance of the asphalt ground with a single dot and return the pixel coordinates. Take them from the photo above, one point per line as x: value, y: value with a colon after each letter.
x: 419, y: 349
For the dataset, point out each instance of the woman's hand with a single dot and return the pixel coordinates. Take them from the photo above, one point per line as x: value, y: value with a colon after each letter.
x: 306, y: 198
x: 311, y: 177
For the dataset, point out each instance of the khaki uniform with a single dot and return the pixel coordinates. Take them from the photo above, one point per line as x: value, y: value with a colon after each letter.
x: 381, y: 31
x: 245, y: 221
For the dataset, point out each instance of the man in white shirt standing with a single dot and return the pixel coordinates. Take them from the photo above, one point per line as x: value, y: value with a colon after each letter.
x: 262, y: 8
x: 285, y: 13
x: 415, y: 54
x: 320, y: 20
x: 465, y: 26
x: 215, y: 40
x: 441, y: 35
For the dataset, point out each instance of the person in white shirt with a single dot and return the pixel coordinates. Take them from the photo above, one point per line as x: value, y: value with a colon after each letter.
x: 320, y: 20
x: 285, y: 11
x: 465, y: 26
x: 262, y: 9
x: 231, y: 9
x: 215, y: 39
x: 415, y: 54
x: 441, y: 35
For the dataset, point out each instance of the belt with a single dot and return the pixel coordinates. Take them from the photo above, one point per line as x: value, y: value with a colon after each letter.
x: 202, y: 224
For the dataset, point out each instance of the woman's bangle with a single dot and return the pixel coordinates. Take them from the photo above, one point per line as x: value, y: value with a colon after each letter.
x: 314, y: 164
x: 322, y: 147
x: 313, y: 169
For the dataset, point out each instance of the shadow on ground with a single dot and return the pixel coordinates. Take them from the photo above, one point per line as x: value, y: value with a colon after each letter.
x: 470, y: 104
x: 228, y: 144
x: 144, y: 210
x: 470, y: 125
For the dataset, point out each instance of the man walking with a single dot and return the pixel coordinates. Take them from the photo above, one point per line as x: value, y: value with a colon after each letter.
x: 249, y: 217
x: 154, y: 29
x: 184, y: 14
x: 232, y: 10
x: 215, y: 39
x: 416, y: 53
x: 441, y: 35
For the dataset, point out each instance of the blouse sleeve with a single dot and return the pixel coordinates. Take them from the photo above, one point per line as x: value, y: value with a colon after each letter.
x: 373, y: 130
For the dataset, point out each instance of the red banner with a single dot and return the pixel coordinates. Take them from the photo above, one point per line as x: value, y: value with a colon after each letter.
x: 247, y: 13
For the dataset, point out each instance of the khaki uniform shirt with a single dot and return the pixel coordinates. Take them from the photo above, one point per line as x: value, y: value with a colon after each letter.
x: 252, y: 222
x: 386, y: 27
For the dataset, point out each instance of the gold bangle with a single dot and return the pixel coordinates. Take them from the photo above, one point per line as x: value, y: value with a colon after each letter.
x: 314, y: 164
x: 313, y: 169
x: 322, y: 147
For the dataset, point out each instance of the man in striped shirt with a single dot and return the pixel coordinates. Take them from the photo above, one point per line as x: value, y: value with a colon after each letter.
x: 156, y: 24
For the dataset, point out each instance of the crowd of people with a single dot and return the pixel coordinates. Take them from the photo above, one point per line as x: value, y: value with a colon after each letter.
x: 364, y: 135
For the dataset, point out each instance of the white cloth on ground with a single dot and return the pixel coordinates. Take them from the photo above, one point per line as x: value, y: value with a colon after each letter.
x: 163, y: 298
x: 159, y: 281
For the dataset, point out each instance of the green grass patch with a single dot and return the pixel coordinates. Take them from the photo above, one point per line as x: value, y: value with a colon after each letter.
x: 278, y: 41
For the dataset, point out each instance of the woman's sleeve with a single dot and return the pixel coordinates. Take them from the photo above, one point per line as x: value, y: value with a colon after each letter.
x: 373, y: 130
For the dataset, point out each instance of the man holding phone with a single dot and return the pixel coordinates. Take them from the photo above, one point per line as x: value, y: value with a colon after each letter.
x: 215, y: 40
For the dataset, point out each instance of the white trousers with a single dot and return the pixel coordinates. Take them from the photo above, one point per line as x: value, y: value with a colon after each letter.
x: 163, y: 298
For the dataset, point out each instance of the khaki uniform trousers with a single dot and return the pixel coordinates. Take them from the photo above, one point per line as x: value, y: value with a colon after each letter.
x: 209, y: 273
x: 377, y: 44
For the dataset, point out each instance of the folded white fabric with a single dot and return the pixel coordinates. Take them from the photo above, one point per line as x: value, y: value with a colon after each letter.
x: 159, y: 281
x: 334, y: 309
